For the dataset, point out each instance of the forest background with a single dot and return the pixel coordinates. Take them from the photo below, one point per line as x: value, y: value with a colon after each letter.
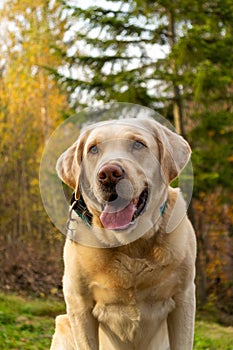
x: 57, y: 57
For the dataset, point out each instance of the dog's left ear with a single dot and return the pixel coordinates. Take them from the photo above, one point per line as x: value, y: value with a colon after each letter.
x: 174, y: 151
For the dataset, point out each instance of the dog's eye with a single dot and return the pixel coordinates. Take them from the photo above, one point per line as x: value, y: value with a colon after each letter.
x: 93, y: 149
x: 137, y: 145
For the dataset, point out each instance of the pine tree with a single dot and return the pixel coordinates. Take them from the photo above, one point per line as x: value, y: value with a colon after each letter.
x: 114, y: 54
x: 204, y: 56
x: 118, y: 52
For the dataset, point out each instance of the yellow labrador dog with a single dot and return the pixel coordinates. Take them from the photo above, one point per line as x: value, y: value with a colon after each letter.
x: 132, y: 286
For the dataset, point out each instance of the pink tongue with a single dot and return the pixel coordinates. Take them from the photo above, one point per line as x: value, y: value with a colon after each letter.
x: 113, y: 220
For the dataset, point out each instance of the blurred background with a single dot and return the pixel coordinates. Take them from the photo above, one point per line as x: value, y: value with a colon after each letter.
x: 58, y: 57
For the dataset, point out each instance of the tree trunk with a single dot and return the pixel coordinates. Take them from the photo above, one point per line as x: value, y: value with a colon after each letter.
x: 177, y: 97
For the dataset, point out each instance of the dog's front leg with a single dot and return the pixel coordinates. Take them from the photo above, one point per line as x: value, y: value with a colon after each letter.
x: 84, y: 329
x: 83, y: 324
x: 79, y: 301
x: 181, y: 321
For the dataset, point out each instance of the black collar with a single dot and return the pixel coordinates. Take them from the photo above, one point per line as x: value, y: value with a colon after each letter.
x: 80, y: 208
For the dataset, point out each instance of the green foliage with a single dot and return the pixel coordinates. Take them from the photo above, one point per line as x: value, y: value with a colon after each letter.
x: 212, y: 155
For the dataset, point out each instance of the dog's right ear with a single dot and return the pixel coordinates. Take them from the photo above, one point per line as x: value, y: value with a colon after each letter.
x: 68, y: 165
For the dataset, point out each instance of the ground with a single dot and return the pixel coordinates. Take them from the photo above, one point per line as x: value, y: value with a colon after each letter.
x: 28, y: 323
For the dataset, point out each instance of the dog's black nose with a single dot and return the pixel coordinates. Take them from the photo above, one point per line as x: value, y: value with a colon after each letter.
x: 110, y: 174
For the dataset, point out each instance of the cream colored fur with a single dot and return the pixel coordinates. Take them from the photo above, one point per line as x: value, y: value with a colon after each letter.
x: 141, y: 295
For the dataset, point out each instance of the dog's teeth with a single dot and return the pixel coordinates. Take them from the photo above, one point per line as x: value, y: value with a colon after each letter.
x: 135, y: 201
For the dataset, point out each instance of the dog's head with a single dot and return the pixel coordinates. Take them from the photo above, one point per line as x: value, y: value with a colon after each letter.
x: 123, y: 168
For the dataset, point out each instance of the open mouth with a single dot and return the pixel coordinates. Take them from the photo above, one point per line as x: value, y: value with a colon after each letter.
x: 118, y: 214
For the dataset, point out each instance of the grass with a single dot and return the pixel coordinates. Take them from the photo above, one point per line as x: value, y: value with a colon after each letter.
x: 28, y: 324
x: 210, y: 335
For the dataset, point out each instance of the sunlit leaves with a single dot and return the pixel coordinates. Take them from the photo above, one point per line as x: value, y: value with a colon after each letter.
x: 31, y: 106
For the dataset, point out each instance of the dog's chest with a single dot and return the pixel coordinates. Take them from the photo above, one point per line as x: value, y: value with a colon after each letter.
x: 131, y: 272
x: 132, y: 294
x: 132, y: 280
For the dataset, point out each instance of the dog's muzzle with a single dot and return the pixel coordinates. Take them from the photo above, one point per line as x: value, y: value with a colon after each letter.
x: 119, y: 209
